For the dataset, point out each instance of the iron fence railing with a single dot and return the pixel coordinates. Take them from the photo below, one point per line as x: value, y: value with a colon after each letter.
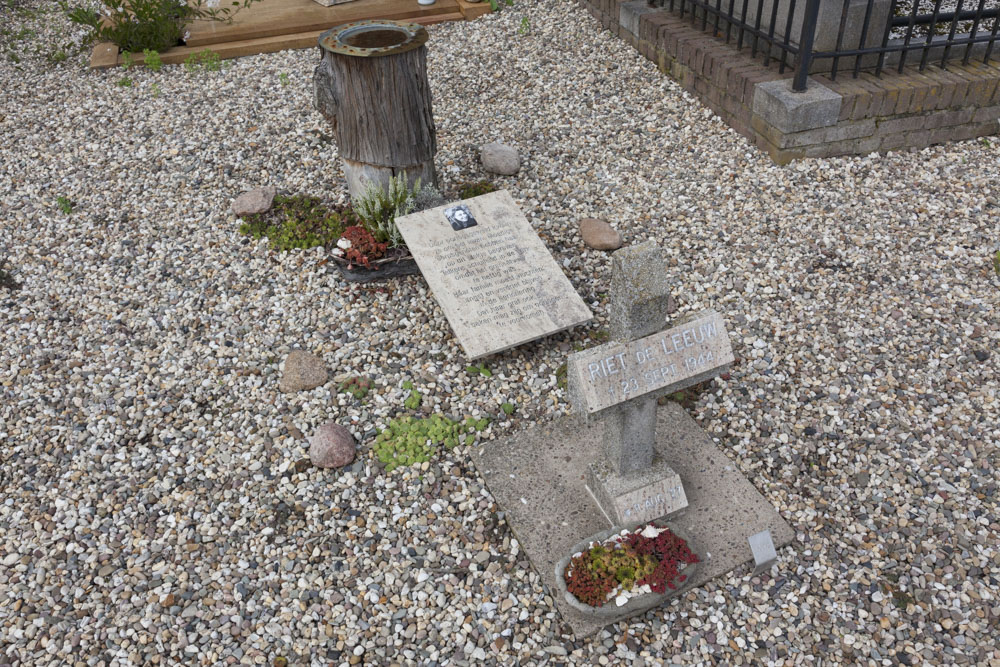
x: 833, y: 36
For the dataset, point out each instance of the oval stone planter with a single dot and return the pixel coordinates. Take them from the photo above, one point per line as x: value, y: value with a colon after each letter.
x: 635, y: 605
x: 387, y: 268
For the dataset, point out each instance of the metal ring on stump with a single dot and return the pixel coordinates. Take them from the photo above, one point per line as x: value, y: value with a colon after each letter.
x: 371, y: 85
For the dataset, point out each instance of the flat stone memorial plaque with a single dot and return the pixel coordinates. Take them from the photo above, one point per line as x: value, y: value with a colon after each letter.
x: 616, y: 372
x: 495, y: 280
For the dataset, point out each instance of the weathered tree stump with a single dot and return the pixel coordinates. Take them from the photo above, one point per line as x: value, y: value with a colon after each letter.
x: 371, y: 85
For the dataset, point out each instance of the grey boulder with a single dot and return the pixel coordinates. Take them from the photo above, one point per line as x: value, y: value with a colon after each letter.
x: 500, y: 159
x: 255, y: 201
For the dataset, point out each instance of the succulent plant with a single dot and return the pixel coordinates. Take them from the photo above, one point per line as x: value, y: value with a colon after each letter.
x: 635, y: 559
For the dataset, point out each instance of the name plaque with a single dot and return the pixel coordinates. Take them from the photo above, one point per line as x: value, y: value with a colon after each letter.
x: 684, y: 355
x: 495, y: 279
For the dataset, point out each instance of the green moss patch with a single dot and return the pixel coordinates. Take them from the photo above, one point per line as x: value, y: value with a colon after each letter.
x: 299, y: 221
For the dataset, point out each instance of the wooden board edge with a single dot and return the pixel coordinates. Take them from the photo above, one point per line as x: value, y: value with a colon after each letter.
x: 439, y: 18
x: 104, y: 56
x: 249, y: 47
x: 473, y: 10
x: 424, y: 15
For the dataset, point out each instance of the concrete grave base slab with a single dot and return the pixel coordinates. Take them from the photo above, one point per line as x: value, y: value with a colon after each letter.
x: 538, y: 477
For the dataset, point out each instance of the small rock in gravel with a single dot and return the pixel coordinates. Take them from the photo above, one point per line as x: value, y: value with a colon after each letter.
x: 599, y: 235
x: 302, y: 371
x: 500, y: 159
x: 331, y: 446
x: 255, y: 201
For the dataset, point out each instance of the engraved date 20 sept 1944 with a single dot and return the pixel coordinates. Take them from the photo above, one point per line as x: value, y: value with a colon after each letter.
x: 654, y: 378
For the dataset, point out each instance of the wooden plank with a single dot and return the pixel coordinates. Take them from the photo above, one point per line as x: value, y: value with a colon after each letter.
x: 438, y: 18
x: 243, y: 37
x: 473, y: 10
x: 249, y: 47
x: 103, y: 56
x: 287, y: 17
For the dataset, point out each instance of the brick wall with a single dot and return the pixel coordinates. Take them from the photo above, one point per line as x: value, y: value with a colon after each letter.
x: 895, y: 111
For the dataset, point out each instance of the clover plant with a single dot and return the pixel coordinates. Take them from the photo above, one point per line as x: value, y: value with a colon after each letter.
x: 409, y: 440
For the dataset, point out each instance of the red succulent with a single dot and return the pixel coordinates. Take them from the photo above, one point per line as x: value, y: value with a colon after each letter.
x: 627, y: 561
x: 364, y: 248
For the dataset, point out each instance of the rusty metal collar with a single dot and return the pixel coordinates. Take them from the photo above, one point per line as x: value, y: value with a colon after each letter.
x: 370, y: 38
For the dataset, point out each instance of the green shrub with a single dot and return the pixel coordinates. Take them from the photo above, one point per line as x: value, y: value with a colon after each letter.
x: 135, y: 25
x: 600, y: 335
x: 64, y: 204
x: 299, y: 221
x: 561, y: 379
x: 479, y: 370
x: 414, y: 399
x: 427, y: 197
x: 358, y: 387
x: 379, y: 207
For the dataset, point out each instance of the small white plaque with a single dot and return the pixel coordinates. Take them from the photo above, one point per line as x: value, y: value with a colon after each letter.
x: 495, y: 280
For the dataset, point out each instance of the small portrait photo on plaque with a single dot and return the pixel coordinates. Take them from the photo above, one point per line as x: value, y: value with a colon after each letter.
x: 460, y: 217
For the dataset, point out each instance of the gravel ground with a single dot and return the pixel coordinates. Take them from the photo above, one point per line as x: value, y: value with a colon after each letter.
x: 926, y: 7
x: 151, y: 510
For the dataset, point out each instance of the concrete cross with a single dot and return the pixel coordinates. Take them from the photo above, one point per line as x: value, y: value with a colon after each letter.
x: 619, y: 383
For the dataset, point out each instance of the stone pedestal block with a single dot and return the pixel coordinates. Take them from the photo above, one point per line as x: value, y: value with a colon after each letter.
x: 632, y: 499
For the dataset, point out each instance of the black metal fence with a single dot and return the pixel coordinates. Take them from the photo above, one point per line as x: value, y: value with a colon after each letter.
x: 833, y: 36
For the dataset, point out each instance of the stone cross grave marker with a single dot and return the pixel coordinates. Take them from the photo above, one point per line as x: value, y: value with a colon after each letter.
x: 619, y: 383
